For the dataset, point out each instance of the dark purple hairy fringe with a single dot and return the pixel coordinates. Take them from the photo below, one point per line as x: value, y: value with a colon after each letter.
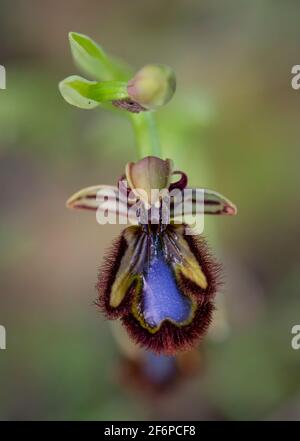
x: 210, y: 267
x: 170, y: 338
x: 106, y: 277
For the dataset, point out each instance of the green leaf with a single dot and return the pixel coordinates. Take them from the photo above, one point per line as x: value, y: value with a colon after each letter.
x: 93, y: 60
x: 89, y: 94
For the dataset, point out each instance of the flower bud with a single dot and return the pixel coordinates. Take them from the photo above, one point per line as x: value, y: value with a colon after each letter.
x: 152, y: 86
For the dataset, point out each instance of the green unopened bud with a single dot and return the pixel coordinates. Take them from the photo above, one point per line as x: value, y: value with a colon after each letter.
x: 152, y: 86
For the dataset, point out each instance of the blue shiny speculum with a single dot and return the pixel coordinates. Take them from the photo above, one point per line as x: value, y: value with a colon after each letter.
x: 161, y: 298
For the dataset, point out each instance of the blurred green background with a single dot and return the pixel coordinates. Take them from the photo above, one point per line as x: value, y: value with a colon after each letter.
x: 233, y: 126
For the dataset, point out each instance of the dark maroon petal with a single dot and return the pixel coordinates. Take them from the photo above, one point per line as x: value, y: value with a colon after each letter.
x: 181, y: 184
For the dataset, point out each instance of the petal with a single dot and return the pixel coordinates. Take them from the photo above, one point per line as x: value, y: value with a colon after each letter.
x: 215, y: 203
x: 193, y: 201
x: 102, y: 197
x: 87, y: 197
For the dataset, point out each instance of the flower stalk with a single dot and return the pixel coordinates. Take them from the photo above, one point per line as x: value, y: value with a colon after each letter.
x: 146, y: 134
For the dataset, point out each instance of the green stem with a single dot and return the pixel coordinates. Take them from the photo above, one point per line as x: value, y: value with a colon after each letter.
x: 146, y: 135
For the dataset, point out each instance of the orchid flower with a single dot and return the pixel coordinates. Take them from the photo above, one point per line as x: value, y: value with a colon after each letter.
x: 157, y: 279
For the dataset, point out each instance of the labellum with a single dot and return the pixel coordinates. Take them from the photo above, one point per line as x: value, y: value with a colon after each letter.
x: 158, y: 279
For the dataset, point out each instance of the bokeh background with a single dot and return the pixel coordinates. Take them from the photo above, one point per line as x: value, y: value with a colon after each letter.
x: 233, y: 126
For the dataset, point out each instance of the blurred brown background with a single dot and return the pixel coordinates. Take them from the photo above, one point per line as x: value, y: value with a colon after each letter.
x: 233, y: 126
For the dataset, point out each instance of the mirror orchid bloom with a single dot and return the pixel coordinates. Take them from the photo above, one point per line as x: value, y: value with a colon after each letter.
x: 157, y: 278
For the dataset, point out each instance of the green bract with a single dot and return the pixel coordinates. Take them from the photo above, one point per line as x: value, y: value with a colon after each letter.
x: 91, y: 58
x: 89, y: 94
